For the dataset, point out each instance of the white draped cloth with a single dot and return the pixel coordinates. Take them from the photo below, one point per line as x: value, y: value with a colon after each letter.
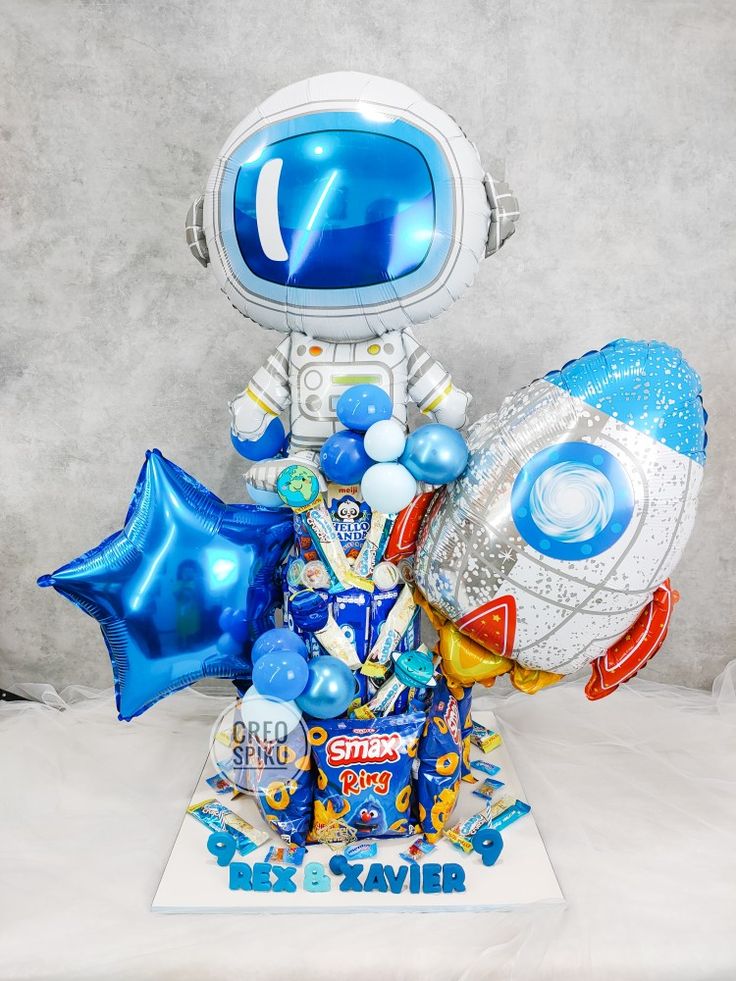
x: 635, y: 797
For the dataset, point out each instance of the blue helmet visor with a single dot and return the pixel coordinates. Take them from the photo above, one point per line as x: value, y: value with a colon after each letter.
x: 334, y: 209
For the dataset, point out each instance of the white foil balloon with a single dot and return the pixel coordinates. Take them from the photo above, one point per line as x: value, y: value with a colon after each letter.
x: 578, y: 500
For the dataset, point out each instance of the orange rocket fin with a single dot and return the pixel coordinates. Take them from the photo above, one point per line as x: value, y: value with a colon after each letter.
x: 638, y: 645
x: 403, y: 538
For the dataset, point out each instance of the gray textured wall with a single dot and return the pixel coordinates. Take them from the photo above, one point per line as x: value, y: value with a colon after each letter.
x: 613, y: 120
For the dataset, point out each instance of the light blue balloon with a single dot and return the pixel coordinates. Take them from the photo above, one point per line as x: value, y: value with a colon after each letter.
x: 385, y: 441
x: 330, y: 689
x: 435, y: 454
x: 388, y: 488
x: 264, y: 498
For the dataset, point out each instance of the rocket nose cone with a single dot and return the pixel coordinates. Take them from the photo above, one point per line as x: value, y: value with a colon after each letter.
x: 646, y: 385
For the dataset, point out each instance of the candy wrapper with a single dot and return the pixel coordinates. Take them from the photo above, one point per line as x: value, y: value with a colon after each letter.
x: 364, y: 775
x: 440, y: 752
x: 485, y: 739
x: 490, y: 769
x: 213, y: 814
x: 417, y: 850
x: 286, y: 854
x: 507, y: 810
x: 394, y: 627
x: 358, y: 851
x: 220, y: 784
x: 375, y: 544
x: 488, y: 788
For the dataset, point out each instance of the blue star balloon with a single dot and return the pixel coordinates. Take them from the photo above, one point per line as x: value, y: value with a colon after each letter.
x: 159, y: 587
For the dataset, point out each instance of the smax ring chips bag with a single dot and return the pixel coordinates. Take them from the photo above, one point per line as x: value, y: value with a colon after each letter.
x: 364, y: 776
x: 440, y: 762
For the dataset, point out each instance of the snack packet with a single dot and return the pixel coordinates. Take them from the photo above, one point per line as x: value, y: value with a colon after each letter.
x: 364, y: 775
x: 213, y: 814
x: 488, y: 788
x: 484, y: 738
x: 490, y: 769
x: 280, y: 777
x: 417, y: 850
x: 440, y: 753
x: 286, y: 854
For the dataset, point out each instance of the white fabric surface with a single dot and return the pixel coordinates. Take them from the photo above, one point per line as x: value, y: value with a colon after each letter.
x: 635, y: 797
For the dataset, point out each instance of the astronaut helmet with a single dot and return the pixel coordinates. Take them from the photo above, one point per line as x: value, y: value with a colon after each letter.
x: 346, y: 206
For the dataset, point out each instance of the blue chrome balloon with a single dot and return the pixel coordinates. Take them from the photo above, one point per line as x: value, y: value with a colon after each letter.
x: 279, y: 640
x: 362, y: 405
x: 435, y: 454
x: 280, y: 674
x: 330, y: 689
x: 160, y: 587
x: 266, y: 446
x: 343, y: 458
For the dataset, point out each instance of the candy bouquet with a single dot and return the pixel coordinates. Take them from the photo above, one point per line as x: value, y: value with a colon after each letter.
x: 344, y: 212
x: 388, y: 734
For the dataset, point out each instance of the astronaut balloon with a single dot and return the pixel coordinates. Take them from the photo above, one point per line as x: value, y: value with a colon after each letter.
x: 342, y: 212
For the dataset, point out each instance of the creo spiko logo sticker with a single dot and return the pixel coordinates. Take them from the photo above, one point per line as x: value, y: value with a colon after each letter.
x: 572, y: 501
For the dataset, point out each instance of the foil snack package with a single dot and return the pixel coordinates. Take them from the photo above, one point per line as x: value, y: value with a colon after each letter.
x: 440, y: 755
x: 364, y: 775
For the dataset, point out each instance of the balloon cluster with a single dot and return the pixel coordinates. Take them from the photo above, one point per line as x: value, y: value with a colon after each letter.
x: 323, y: 687
x: 374, y: 451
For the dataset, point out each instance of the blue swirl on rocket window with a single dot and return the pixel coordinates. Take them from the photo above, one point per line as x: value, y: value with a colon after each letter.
x: 572, y: 501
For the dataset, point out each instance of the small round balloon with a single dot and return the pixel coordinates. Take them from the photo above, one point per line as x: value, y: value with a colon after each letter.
x: 388, y: 488
x: 280, y: 640
x: 435, y: 454
x: 385, y: 441
x: 362, y: 405
x: 330, y: 689
x: 281, y: 674
x: 264, y: 498
x: 268, y: 718
x: 343, y: 458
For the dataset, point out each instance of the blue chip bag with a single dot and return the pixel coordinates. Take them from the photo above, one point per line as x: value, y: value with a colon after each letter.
x: 464, y: 696
x: 364, y: 776
x: 440, y: 762
x: 279, y: 775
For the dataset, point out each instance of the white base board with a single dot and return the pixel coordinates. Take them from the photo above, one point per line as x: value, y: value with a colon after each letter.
x: 523, y: 875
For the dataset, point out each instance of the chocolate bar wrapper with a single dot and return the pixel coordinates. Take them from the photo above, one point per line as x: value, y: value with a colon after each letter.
x: 394, y: 627
x: 485, y: 739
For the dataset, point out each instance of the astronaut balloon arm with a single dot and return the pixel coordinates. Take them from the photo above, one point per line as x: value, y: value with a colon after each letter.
x: 265, y: 396
x: 430, y: 386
